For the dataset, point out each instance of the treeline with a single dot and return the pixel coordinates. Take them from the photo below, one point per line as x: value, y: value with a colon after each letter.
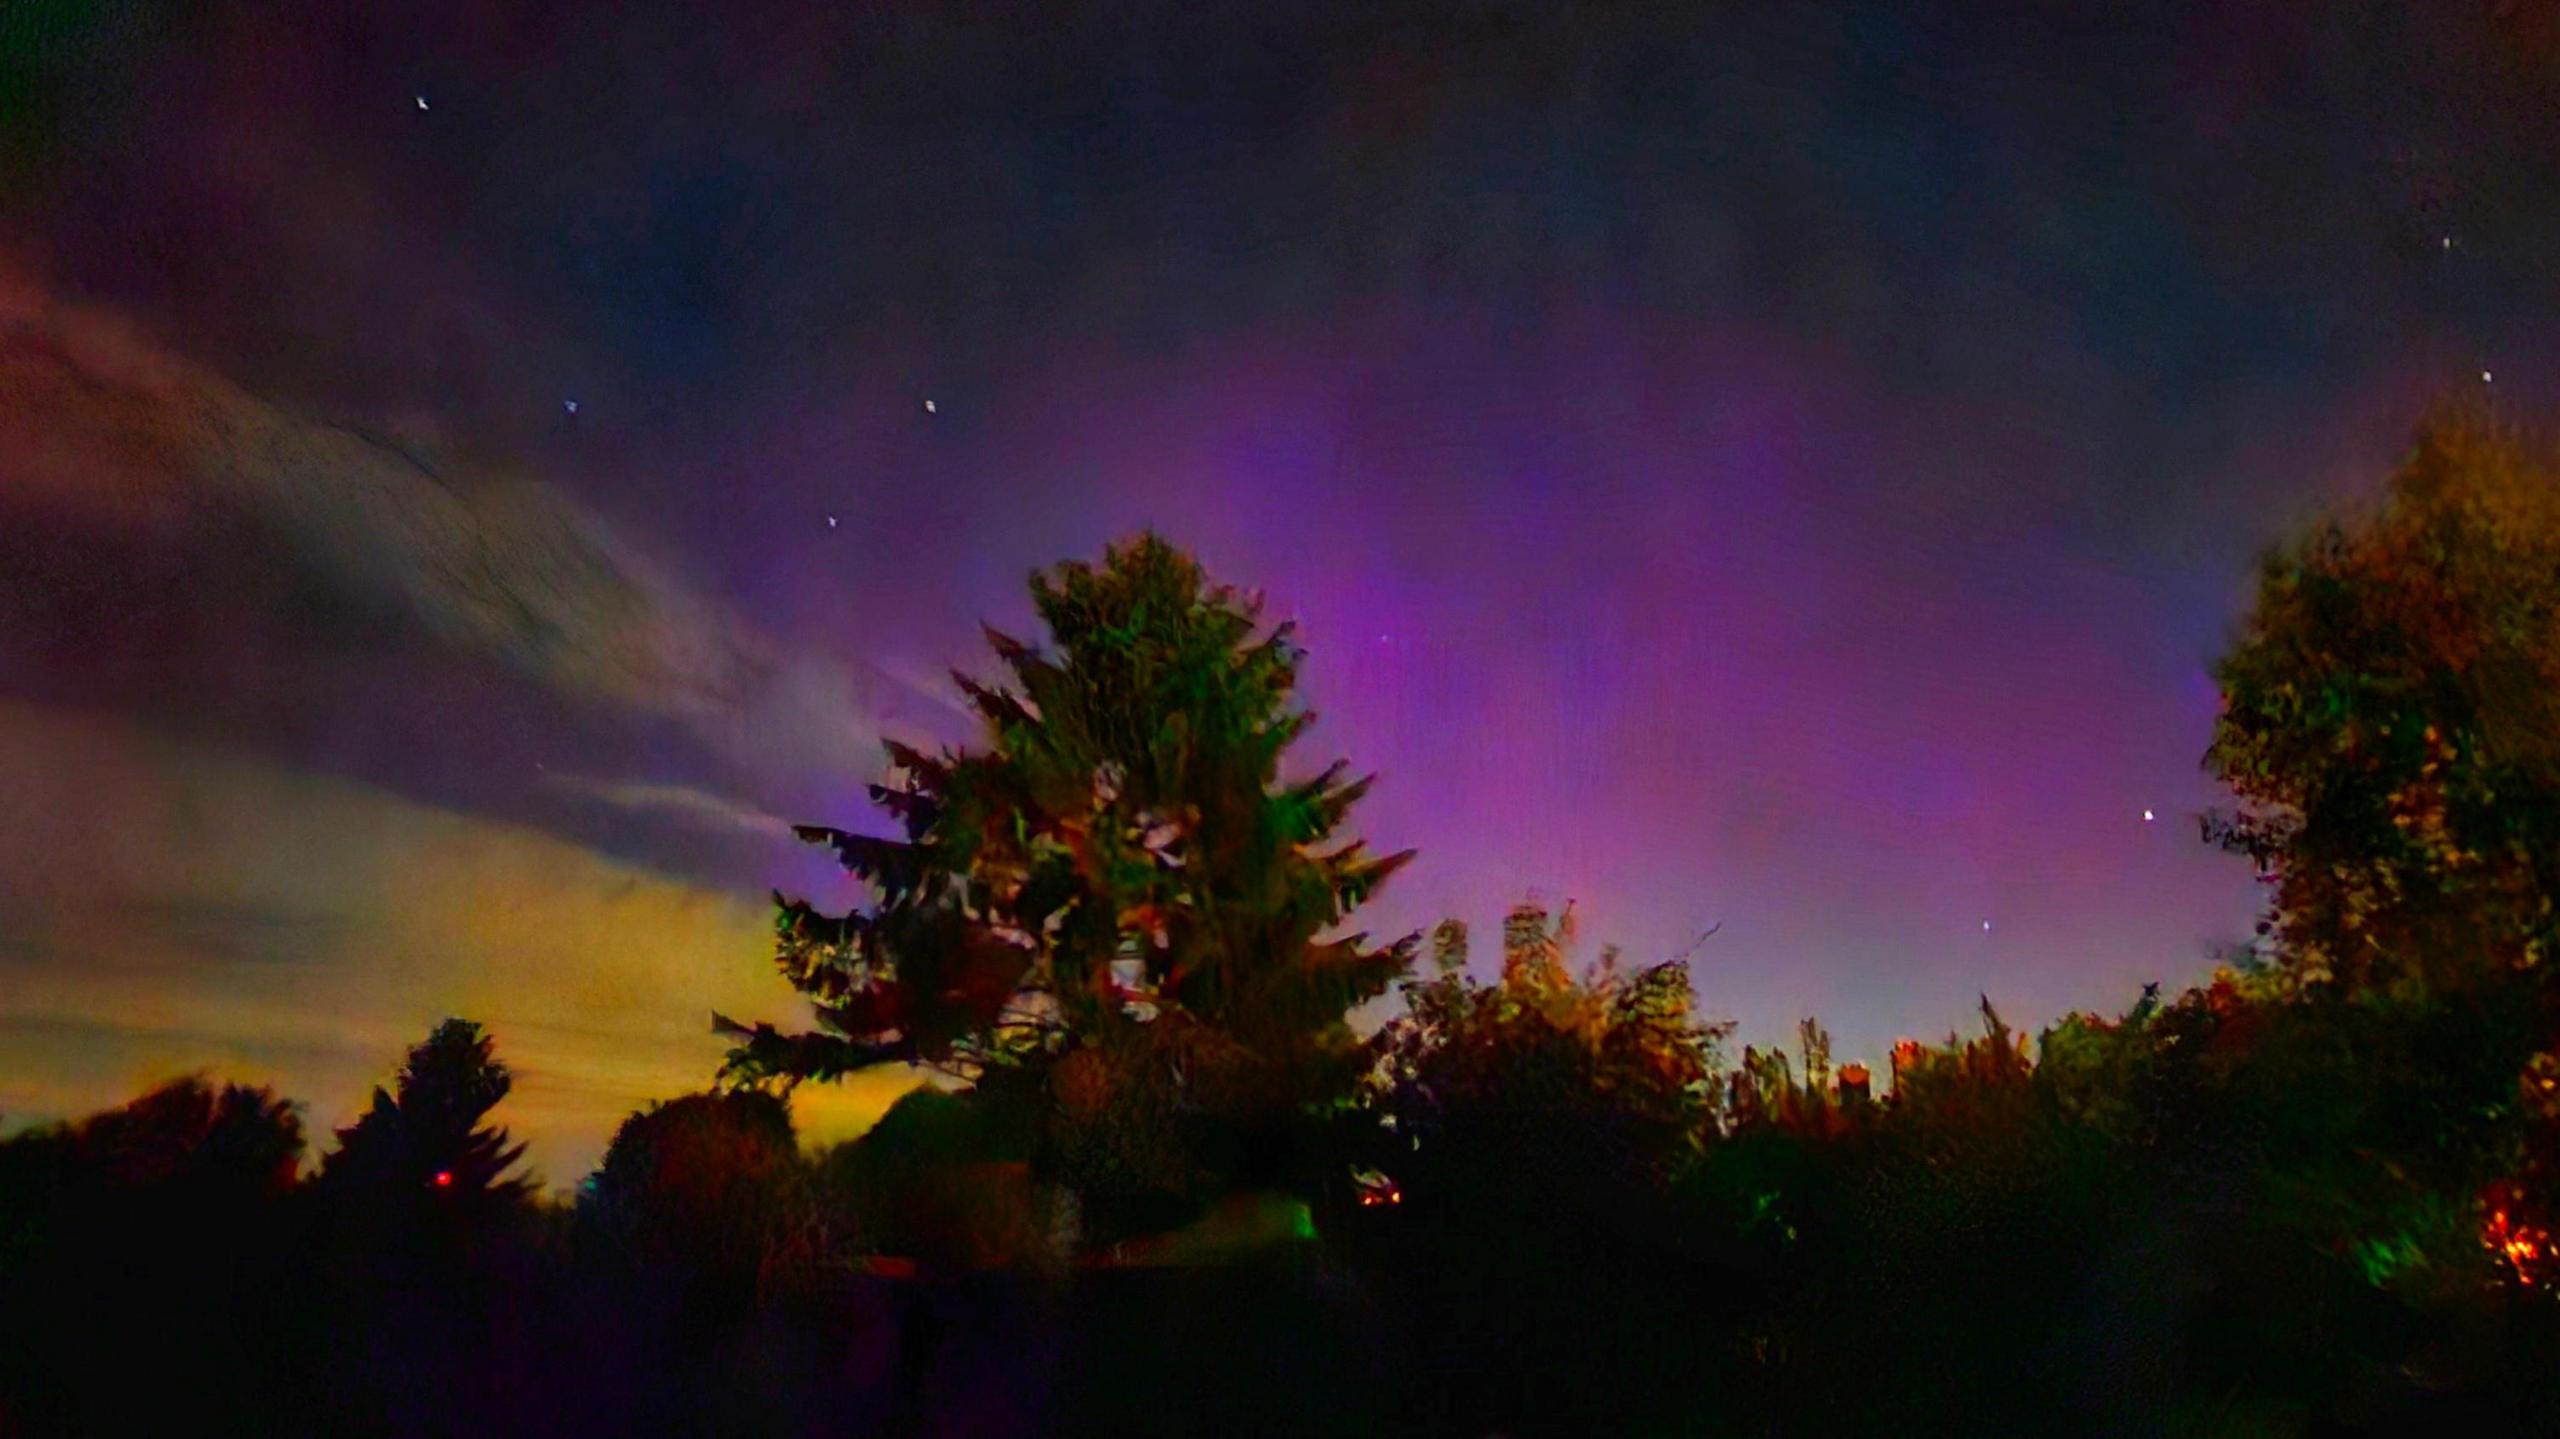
x: 177, y: 1262
x: 1168, y: 1189
x: 1548, y: 1210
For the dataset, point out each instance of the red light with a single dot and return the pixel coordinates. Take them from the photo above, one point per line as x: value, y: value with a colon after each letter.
x: 444, y: 1179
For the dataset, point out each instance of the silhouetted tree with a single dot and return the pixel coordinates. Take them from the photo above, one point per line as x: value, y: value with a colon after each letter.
x: 710, y: 1185
x: 424, y: 1136
x: 242, y: 1139
x: 1527, y: 1131
x: 1542, y: 1066
x: 1120, y: 876
x: 2391, y: 727
x: 161, y: 1230
x: 213, y: 1154
x: 944, y: 1181
x: 2391, y: 722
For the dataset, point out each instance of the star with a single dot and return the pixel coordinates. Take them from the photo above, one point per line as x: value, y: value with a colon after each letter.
x: 570, y: 405
x: 422, y: 102
x: 831, y: 522
x: 1986, y: 926
x: 2146, y: 816
x: 2484, y: 377
x: 2448, y: 242
x: 928, y: 407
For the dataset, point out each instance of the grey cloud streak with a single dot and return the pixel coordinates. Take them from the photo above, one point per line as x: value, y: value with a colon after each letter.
x: 103, y: 430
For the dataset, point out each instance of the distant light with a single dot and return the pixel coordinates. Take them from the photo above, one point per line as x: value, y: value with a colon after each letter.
x: 422, y: 102
x: 928, y: 407
x: 570, y: 405
x: 2146, y: 816
x: 444, y: 1179
x: 2448, y: 242
x: 831, y: 522
x: 1986, y: 926
x: 2484, y: 377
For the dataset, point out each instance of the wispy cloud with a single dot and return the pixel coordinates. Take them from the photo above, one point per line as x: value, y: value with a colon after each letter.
x: 685, y: 802
x: 110, y: 432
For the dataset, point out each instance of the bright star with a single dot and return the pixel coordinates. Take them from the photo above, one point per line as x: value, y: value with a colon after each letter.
x: 2484, y: 377
x: 2146, y: 816
x: 831, y: 522
x: 570, y: 405
x: 422, y: 102
x: 1986, y: 926
x: 928, y: 407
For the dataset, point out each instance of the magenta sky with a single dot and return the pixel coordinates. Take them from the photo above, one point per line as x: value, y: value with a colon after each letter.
x: 1767, y: 472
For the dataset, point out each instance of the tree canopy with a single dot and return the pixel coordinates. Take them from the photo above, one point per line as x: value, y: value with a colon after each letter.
x: 2391, y: 721
x: 1602, y: 1077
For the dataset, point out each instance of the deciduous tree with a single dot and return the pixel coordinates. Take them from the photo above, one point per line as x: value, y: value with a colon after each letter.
x: 2391, y: 722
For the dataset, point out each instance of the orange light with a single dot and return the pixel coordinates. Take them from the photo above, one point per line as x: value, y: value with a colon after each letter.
x: 2522, y: 1246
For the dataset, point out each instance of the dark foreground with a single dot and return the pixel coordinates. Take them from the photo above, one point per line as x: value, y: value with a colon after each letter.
x: 492, y: 1341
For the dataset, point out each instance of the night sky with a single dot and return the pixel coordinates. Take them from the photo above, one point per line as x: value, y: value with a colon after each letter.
x: 470, y: 473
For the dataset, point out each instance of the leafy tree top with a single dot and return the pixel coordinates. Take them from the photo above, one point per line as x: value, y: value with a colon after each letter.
x: 188, y: 1131
x: 1546, y: 1056
x: 1121, y: 850
x: 710, y: 1181
x: 2391, y: 722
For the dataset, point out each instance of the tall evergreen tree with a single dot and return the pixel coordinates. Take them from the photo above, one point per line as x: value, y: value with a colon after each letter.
x: 1119, y: 871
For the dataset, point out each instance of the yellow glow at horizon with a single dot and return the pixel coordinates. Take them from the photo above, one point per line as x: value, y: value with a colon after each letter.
x: 135, y: 862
